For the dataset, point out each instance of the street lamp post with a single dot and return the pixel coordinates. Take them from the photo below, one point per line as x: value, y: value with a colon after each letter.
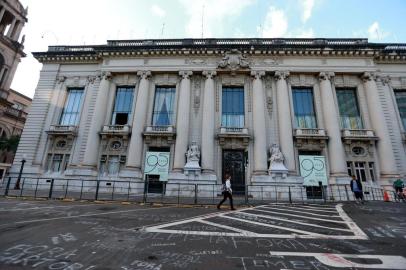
x: 17, y: 185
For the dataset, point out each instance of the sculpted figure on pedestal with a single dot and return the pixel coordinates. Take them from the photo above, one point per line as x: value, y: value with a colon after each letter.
x: 193, y: 153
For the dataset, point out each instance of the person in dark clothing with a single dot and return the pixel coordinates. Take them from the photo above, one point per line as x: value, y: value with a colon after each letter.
x: 356, y: 188
x: 227, y: 192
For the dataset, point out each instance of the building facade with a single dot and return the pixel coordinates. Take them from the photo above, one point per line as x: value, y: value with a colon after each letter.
x: 13, y: 105
x: 196, y: 109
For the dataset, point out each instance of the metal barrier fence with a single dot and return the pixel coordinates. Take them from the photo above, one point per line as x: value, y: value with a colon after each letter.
x: 180, y: 193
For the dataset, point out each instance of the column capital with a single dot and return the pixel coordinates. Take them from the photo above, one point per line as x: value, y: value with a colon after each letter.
x: 185, y: 74
x: 106, y: 75
x: 369, y: 76
x: 326, y: 76
x: 144, y: 74
x: 281, y: 75
x: 60, y: 79
x: 257, y: 74
x: 385, y: 79
x: 209, y: 74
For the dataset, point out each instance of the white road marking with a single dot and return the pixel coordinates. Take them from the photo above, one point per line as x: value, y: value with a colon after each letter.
x: 301, y: 212
x: 297, y: 222
x: 317, y: 209
x: 293, y: 215
x: 342, y: 260
x: 39, y: 208
x: 272, y: 226
x: 235, y: 231
x: 85, y: 215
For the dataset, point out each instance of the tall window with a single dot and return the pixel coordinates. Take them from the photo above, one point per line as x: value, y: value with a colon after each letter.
x: 163, y: 106
x: 122, y: 106
x: 57, y: 162
x: 304, y: 108
x: 71, y: 111
x: 348, y: 106
x: 232, y: 107
x: 401, y: 101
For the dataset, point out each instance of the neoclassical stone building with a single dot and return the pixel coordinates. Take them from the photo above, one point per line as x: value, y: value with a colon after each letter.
x: 191, y: 110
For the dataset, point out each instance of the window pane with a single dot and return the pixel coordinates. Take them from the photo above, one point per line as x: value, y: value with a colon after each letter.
x: 57, y: 162
x: 304, y: 108
x: 401, y: 102
x: 348, y: 106
x: 122, y: 106
x: 232, y: 107
x: 163, y: 106
x: 71, y: 111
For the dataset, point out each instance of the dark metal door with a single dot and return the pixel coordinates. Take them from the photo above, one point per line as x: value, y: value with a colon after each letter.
x: 233, y: 163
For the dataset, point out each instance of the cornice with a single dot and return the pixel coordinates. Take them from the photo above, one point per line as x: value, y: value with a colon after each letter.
x: 222, y: 47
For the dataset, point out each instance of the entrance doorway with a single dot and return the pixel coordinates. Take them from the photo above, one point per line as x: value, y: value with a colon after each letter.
x: 233, y: 163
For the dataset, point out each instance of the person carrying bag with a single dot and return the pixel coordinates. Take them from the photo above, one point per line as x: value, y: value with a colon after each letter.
x: 227, y: 192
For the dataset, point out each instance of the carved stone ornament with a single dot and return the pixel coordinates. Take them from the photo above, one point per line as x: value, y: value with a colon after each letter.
x: 326, y: 76
x: 386, y: 80
x: 192, y: 156
x: 257, y: 74
x: 106, y: 75
x: 281, y: 75
x: 144, y: 74
x: 91, y: 79
x: 209, y: 74
x: 185, y: 74
x: 60, y: 79
x: 196, y: 61
x: 368, y: 76
x: 276, y: 162
x: 234, y: 60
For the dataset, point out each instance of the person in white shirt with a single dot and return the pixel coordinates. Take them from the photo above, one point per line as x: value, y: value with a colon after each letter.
x: 227, y: 192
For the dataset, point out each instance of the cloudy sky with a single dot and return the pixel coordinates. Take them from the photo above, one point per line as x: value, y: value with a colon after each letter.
x: 79, y: 22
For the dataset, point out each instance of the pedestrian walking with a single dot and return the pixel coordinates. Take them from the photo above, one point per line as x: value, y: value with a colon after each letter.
x: 356, y: 188
x: 227, y: 192
x: 398, y: 185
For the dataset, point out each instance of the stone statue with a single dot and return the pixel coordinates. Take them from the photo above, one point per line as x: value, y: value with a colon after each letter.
x: 193, y: 153
x: 276, y: 167
x: 276, y: 154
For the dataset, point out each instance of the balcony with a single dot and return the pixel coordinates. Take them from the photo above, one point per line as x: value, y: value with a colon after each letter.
x: 233, y: 137
x: 116, y: 130
x: 349, y: 135
x: 67, y: 130
x: 15, y: 113
x: 310, y: 138
x: 159, y: 135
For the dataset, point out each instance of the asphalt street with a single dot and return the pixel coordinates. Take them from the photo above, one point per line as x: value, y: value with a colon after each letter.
x: 90, y: 235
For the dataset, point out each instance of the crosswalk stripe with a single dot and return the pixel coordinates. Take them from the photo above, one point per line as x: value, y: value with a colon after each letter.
x: 296, y: 211
x: 293, y: 215
x: 304, y: 207
x: 297, y: 222
x: 244, y: 232
x: 273, y: 226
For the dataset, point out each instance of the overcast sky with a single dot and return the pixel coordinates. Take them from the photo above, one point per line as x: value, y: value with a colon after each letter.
x: 79, y: 22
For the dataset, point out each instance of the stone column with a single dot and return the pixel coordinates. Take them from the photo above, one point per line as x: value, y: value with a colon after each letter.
x: 98, y: 118
x: 386, y: 158
x: 336, y: 153
x: 2, y: 11
x: 10, y: 30
x: 17, y: 31
x: 285, y: 119
x: 50, y: 118
x: 140, y: 115
x: 182, y: 122
x: 258, y: 115
x: 208, y: 129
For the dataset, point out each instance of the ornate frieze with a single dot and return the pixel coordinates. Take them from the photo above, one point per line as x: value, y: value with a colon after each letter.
x: 234, y: 60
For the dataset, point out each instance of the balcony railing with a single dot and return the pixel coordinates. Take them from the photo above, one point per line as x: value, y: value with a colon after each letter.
x: 116, y: 129
x: 304, y: 132
x: 358, y: 134
x: 15, y: 112
x: 233, y: 130
x: 63, y: 130
x: 160, y: 129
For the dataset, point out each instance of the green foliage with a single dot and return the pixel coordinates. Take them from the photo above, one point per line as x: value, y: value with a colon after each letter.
x: 10, y: 144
